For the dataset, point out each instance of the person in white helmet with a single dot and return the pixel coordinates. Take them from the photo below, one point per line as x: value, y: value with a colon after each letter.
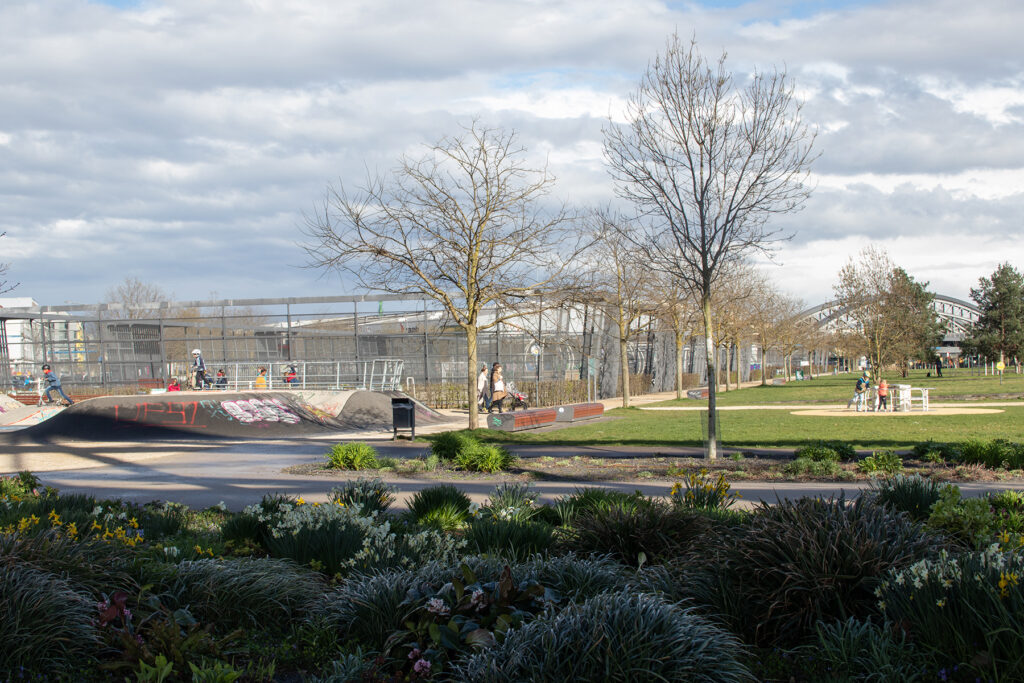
x: 198, y: 370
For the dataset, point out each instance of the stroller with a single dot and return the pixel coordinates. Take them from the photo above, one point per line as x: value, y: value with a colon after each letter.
x: 515, y: 399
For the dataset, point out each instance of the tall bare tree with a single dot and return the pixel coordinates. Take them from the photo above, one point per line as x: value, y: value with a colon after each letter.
x: 467, y: 225
x: 707, y: 162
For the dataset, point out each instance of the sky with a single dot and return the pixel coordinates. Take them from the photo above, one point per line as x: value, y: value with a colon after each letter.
x: 182, y: 142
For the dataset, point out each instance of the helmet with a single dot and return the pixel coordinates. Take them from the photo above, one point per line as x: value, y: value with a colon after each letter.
x: 196, y: 352
x: 867, y: 374
x: 46, y: 366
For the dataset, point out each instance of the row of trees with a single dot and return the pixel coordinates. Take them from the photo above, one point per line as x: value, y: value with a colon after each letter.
x: 702, y: 164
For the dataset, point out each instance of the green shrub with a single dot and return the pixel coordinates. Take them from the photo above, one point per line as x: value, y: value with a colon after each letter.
x: 353, y: 456
x: 20, y: 485
x: 46, y: 626
x: 441, y: 502
x: 465, y: 613
x: 826, y: 450
x: 477, y: 457
x: 993, y: 454
x: 244, y: 592
x: 612, y: 637
x: 446, y: 517
x: 508, y: 538
x: 367, y: 496
x: 817, y: 452
x: 814, y: 468
x: 243, y: 527
x: 1008, y: 510
x: 699, y: 491
x: 969, y: 520
x: 885, y: 462
x: 966, y: 610
x: 447, y: 445
x: 635, y: 535
x: 796, y: 563
x: 327, y: 547
x: 854, y: 650
x: 938, y: 452
x: 914, y: 495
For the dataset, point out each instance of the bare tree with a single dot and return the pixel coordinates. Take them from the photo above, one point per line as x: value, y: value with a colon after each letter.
x: 620, y: 283
x: 466, y: 225
x: 676, y: 307
x: 891, y: 313
x: 5, y: 286
x: 707, y: 163
x: 130, y: 295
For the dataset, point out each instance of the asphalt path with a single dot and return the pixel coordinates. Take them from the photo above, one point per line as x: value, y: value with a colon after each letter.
x: 239, y: 473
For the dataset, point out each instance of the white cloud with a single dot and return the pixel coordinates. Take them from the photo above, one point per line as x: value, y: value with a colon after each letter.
x: 208, y: 126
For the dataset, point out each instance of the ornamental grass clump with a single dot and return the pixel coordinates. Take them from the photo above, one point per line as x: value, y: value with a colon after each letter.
x: 912, y: 494
x: 447, y: 445
x: 585, y: 500
x: 443, y: 506
x: 512, y: 539
x: 800, y: 562
x: 353, y: 456
x: 575, y: 578
x: 827, y: 468
x: 46, y: 627
x: 611, y: 637
x: 993, y: 454
x: 653, y: 532
x: 368, y: 496
x: 244, y: 592
x: 855, y: 650
x: 478, y: 457
x: 966, y: 610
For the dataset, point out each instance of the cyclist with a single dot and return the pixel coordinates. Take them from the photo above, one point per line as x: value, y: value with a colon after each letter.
x: 53, y: 382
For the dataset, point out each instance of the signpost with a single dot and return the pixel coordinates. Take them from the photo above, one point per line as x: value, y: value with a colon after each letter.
x: 1000, y: 366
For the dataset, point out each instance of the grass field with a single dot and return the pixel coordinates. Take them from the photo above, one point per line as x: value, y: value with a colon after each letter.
x: 781, y: 429
x: 954, y: 385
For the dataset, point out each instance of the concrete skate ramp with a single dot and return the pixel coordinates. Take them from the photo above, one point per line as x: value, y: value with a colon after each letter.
x: 247, y: 414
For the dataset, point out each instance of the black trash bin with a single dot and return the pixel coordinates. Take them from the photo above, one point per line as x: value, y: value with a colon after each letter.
x: 403, y: 415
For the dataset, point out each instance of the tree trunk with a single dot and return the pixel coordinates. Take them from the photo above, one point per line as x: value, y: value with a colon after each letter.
x: 624, y: 362
x: 709, y: 351
x: 679, y: 364
x: 471, y: 334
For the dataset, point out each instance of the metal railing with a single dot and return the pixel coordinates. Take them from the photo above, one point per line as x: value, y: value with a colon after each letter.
x: 379, y: 374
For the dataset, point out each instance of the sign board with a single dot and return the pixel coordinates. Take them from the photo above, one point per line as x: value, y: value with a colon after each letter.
x: 1000, y: 366
x: 535, y: 349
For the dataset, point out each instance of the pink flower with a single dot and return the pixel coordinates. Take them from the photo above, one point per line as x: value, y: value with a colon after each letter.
x: 414, y: 653
x: 421, y: 667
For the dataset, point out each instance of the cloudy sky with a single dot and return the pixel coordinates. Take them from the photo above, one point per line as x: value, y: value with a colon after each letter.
x: 180, y: 141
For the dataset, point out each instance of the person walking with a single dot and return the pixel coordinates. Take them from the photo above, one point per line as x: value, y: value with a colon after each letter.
x: 483, y: 389
x: 53, y: 382
x: 497, y: 388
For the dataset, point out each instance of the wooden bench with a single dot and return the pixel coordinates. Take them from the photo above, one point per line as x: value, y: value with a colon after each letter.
x: 522, y: 419
x: 579, y: 411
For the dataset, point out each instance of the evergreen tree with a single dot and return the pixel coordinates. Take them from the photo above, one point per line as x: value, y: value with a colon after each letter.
x: 999, y: 333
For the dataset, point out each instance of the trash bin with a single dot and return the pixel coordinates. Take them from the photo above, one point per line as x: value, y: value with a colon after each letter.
x: 403, y: 415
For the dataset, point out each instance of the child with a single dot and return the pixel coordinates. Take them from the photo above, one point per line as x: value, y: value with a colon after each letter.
x: 53, y: 382
x: 261, y: 379
x: 883, y: 395
x: 174, y: 386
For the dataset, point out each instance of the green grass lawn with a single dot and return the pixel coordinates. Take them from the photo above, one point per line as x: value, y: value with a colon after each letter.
x: 781, y: 429
x: 954, y: 385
